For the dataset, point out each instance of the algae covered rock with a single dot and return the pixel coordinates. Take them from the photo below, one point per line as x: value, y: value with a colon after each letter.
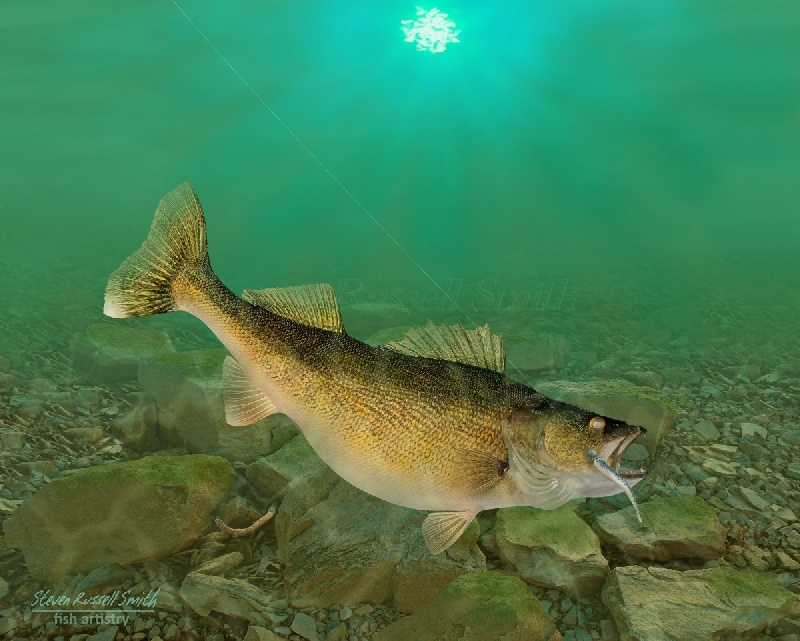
x: 484, y: 605
x: 120, y: 513
x: 672, y: 528
x: 642, y: 406
x: 341, y: 545
x: 552, y: 548
x: 657, y: 604
x: 111, y: 352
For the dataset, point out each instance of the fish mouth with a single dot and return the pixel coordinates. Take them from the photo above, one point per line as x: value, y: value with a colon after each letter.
x: 614, y: 449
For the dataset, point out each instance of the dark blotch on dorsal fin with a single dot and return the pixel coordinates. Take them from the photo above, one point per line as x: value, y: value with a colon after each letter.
x: 310, y: 305
x: 478, y: 347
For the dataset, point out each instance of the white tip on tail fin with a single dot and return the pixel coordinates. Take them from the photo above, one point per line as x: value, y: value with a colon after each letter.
x: 441, y: 529
x: 142, y: 285
x: 244, y: 402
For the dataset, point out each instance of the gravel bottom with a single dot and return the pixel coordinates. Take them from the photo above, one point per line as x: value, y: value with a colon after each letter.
x: 746, y: 467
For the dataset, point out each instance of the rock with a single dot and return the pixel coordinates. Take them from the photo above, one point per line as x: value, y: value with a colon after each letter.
x: 420, y: 575
x: 784, y: 559
x: 707, y: 430
x: 220, y: 564
x: 753, y: 498
x: 337, y: 633
x: 783, y: 512
x: 751, y: 429
x: 645, y: 379
x: 305, y: 626
x: 7, y: 381
x: 137, y: 429
x: 3, y: 588
x: 232, y: 597
x: 653, y: 604
x: 84, y: 434
x: 239, y: 512
x: 191, y: 410
x: 643, y: 406
x: 101, y: 577
x: 536, y: 352
x: 257, y: 633
x: 112, y: 352
x: 11, y: 439
x: 293, y: 464
x: 719, y: 468
x: 484, y: 605
x: 363, y: 319
x: 672, y: 528
x: 552, y: 549
x: 83, y: 518
x: 341, y: 545
x: 109, y: 634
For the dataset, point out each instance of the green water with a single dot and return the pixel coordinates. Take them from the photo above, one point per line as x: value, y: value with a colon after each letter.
x: 657, y: 142
x: 621, y: 173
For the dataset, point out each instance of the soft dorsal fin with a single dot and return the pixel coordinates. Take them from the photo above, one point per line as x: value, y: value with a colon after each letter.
x: 310, y: 305
x: 244, y: 402
x: 478, y: 347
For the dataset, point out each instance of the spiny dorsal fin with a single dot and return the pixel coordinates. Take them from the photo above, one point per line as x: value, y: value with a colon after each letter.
x: 441, y: 529
x: 478, y: 347
x: 244, y: 402
x: 310, y: 305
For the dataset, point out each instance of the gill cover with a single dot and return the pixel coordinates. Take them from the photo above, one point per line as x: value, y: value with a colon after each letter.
x: 523, y: 434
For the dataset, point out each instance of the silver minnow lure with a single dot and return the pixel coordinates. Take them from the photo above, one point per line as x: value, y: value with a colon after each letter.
x: 606, y: 470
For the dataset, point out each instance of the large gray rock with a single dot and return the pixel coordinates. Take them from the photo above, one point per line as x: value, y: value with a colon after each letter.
x: 137, y: 429
x: 642, y: 406
x: 536, y: 352
x: 657, y: 604
x: 552, y: 549
x: 485, y: 606
x: 341, y: 545
x: 233, y: 597
x: 294, y: 463
x: 112, y: 352
x: 120, y: 513
x: 187, y: 392
x: 680, y: 527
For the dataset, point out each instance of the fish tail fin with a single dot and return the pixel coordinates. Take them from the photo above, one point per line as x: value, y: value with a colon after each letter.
x: 145, y: 282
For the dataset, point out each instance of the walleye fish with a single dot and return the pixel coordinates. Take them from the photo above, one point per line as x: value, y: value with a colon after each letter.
x: 430, y: 422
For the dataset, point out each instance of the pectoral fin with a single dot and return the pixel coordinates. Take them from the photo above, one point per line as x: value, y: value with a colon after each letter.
x: 244, y: 402
x: 441, y: 529
x: 540, y: 485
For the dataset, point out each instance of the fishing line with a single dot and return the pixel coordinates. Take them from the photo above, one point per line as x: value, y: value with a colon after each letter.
x: 332, y: 176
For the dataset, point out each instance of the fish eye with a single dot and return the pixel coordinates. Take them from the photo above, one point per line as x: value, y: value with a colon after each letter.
x: 597, y: 424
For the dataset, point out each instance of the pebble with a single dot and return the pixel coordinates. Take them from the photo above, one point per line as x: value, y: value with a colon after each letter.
x: 753, y: 498
x: 305, y: 626
x: 707, y: 430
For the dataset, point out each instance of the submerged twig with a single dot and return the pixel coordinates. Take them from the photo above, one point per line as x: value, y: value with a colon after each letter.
x: 236, y: 532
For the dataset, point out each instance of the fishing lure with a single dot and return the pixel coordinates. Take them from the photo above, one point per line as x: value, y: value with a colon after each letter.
x: 606, y: 470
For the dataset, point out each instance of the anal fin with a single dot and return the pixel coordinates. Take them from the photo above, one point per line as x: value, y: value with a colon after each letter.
x: 441, y: 529
x: 244, y: 402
